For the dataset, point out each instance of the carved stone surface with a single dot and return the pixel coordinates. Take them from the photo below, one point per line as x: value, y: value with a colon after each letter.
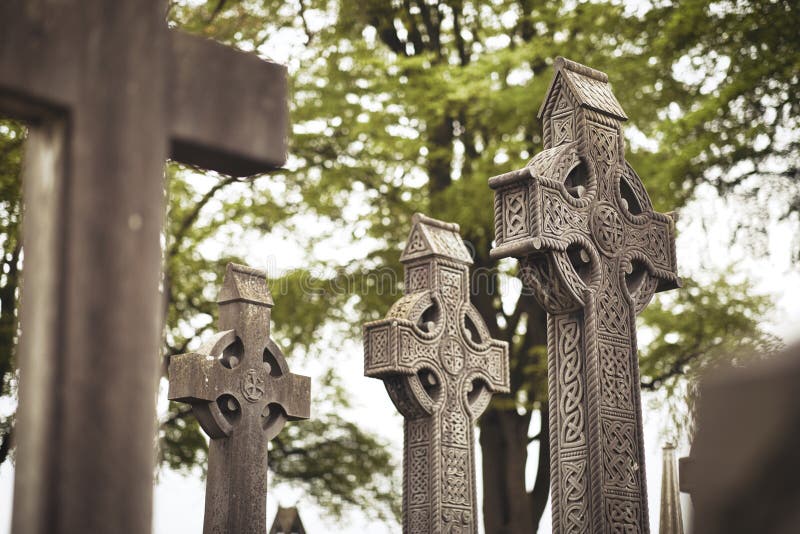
x: 242, y: 393
x: 671, y: 518
x: 743, y: 469
x: 108, y: 93
x: 287, y: 521
x: 593, y: 252
x: 441, y: 367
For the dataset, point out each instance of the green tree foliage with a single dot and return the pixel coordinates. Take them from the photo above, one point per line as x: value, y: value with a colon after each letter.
x: 12, y: 136
x: 695, y: 330
x: 411, y: 105
x: 207, y: 215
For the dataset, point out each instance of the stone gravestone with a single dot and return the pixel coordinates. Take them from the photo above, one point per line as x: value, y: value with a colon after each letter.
x: 109, y: 93
x: 743, y: 472
x: 671, y: 519
x: 593, y: 252
x: 287, y: 521
x: 440, y: 367
x: 242, y: 393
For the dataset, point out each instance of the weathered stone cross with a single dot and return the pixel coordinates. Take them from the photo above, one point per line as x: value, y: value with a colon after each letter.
x: 440, y: 367
x: 242, y: 392
x: 593, y: 252
x: 109, y: 93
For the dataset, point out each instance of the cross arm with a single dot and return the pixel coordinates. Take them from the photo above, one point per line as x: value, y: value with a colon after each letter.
x: 652, y: 242
x: 229, y: 108
x: 293, y: 393
x: 536, y: 208
x: 491, y: 364
x: 389, y: 345
x: 195, y: 377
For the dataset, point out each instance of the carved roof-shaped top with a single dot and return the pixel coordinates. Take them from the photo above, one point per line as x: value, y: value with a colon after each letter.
x: 287, y: 521
x: 245, y: 284
x: 589, y: 87
x: 431, y: 237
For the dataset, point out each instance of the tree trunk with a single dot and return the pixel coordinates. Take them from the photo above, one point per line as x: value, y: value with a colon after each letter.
x: 503, y: 439
x: 507, y: 507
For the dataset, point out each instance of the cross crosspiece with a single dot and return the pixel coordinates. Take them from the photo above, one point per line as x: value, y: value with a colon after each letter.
x: 108, y: 93
x: 241, y: 390
x: 593, y: 252
x: 440, y: 367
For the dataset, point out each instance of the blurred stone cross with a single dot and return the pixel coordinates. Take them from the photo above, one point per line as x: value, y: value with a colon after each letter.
x: 109, y: 93
x: 242, y: 393
x: 440, y: 367
x: 593, y: 252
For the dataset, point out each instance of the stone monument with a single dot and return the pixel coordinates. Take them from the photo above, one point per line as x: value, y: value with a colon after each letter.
x: 743, y: 469
x: 287, y: 521
x: 242, y: 393
x: 108, y: 93
x: 593, y: 252
x: 440, y: 367
x: 671, y: 519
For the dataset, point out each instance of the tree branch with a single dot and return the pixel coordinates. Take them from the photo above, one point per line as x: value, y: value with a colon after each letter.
x: 190, y: 219
x: 5, y: 444
x: 308, y: 32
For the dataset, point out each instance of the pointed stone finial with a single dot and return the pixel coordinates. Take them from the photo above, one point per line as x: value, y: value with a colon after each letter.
x: 671, y: 521
x: 287, y: 521
x: 245, y: 284
x: 585, y: 86
x: 432, y: 237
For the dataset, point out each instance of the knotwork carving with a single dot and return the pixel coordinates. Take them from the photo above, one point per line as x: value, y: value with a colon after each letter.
x: 593, y: 254
x: 607, y: 229
x: 574, y: 506
x: 516, y: 214
x: 620, y: 461
x: 444, y: 352
x: 570, y: 385
x: 613, y: 313
x: 622, y: 516
x: 615, y: 376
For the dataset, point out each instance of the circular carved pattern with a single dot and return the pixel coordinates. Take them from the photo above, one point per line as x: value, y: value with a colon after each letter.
x: 253, y: 386
x: 607, y: 229
x: 452, y: 355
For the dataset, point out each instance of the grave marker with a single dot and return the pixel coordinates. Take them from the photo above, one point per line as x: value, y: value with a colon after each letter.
x: 671, y: 519
x: 440, y: 367
x: 242, y: 393
x: 593, y: 252
x: 109, y: 93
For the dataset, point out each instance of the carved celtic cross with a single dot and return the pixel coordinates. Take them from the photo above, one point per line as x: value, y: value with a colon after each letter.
x: 440, y: 367
x: 593, y: 252
x: 242, y: 393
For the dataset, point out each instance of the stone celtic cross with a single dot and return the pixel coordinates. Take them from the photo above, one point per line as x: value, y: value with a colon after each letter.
x: 242, y: 393
x: 108, y: 93
x: 440, y: 367
x: 593, y: 252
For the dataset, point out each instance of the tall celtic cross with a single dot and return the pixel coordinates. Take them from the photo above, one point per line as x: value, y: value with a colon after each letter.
x: 440, y: 367
x: 593, y: 252
x: 109, y: 93
x: 242, y: 393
